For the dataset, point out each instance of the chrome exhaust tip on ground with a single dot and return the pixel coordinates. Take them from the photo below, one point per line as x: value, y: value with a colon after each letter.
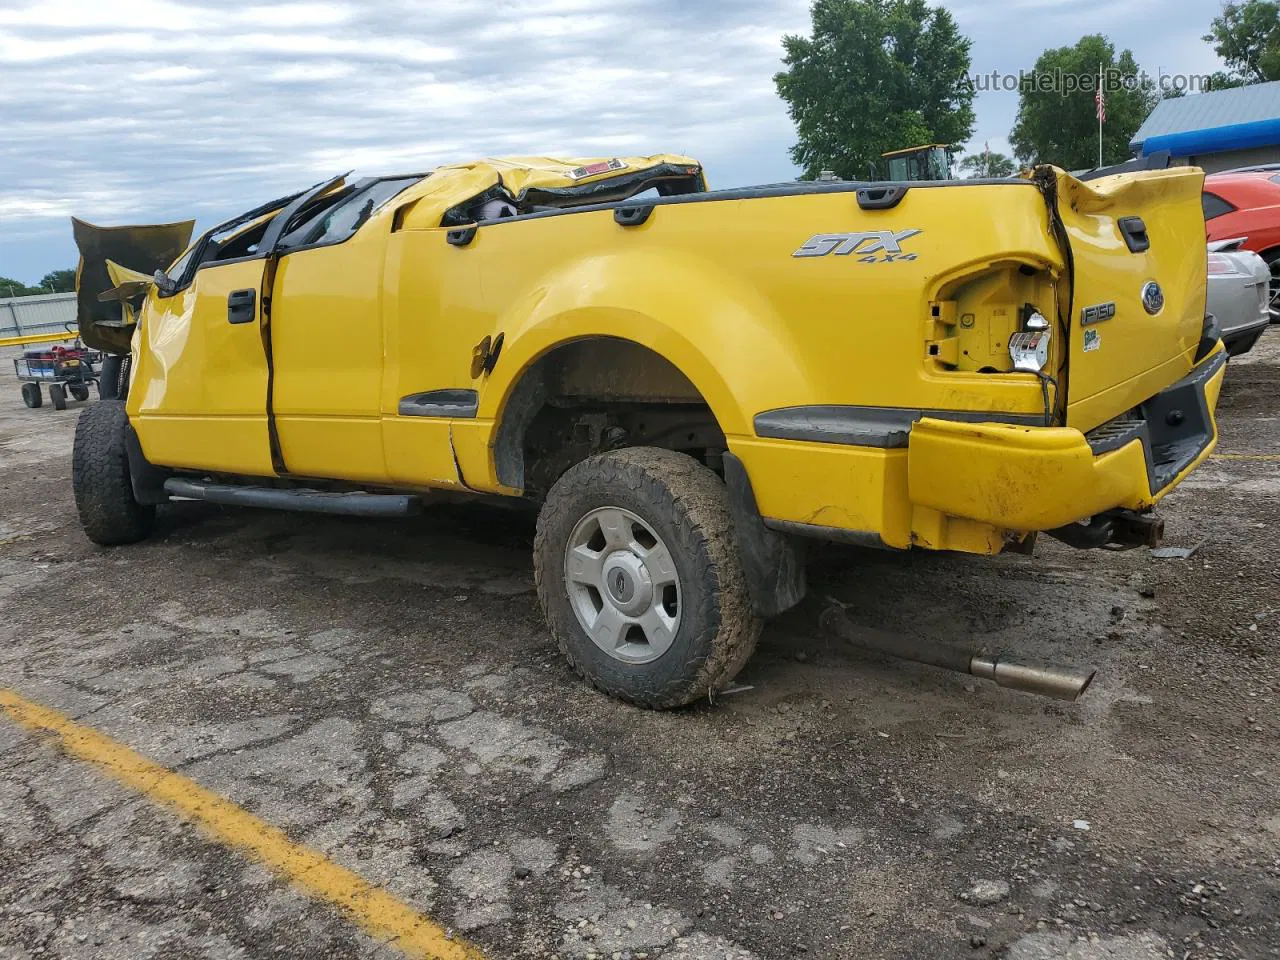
x: 1046, y: 680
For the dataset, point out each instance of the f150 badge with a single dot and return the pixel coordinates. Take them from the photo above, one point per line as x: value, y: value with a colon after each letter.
x: 871, y: 246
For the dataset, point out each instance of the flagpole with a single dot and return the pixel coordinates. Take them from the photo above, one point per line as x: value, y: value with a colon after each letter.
x: 1098, y: 104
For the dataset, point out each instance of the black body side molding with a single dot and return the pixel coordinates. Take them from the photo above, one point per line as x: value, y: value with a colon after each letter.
x: 461, y: 404
x: 882, y: 427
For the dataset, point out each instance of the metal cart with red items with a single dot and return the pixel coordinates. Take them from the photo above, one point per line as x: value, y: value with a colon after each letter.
x: 64, y: 369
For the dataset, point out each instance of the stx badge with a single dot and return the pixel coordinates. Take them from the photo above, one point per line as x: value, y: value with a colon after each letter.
x: 872, y: 246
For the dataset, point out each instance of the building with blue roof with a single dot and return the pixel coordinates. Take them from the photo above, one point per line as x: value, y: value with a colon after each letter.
x: 1219, y: 130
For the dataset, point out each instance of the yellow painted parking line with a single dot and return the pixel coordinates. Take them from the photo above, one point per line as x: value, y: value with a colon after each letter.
x: 380, y: 914
x: 1246, y: 456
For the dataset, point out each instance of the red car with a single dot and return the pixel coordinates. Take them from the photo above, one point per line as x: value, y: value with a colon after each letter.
x: 1246, y: 203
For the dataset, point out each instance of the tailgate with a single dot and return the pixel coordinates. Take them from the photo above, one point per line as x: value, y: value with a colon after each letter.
x: 1138, y: 291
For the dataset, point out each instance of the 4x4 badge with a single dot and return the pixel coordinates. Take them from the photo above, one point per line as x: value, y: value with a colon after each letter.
x: 866, y: 244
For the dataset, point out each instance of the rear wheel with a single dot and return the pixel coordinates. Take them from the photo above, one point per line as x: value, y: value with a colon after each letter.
x: 57, y: 396
x: 639, y: 577
x: 100, y: 478
x: 80, y: 391
x: 31, y: 395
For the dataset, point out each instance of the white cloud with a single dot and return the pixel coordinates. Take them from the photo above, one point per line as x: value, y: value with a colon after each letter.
x: 128, y: 110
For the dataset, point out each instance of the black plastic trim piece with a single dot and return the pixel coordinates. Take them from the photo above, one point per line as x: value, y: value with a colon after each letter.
x: 1115, y: 434
x: 1174, y: 426
x: 632, y: 216
x: 794, y: 189
x: 453, y: 404
x: 298, y: 500
x: 462, y: 236
x: 1244, y: 340
x: 882, y: 197
x: 882, y: 427
x: 283, y: 220
x: 814, y: 531
x: 1155, y: 161
x: 1210, y: 334
x: 773, y: 562
x: 147, y: 479
x: 1179, y: 423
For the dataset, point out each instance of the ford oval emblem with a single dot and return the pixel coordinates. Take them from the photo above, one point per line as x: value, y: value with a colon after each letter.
x: 1152, y: 297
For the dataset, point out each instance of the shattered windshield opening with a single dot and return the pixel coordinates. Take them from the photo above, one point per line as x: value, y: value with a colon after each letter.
x: 206, y: 247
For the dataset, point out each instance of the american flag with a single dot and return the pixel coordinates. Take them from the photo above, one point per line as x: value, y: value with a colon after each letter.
x: 1101, y: 103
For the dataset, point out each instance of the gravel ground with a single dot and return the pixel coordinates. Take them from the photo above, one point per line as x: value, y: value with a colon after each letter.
x: 387, y: 694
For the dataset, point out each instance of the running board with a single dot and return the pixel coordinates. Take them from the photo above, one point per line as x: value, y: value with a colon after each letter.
x: 305, y: 501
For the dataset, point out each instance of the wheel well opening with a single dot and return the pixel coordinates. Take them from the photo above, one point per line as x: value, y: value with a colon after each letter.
x: 598, y: 394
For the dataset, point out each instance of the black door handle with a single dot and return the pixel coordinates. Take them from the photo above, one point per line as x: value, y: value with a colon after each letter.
x: 240, y: 306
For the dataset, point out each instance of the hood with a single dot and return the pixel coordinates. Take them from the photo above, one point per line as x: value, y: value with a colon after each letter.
x: 136, y: 253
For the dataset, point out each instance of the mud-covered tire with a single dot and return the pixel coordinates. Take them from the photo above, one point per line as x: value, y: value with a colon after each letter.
x: 687, y: 506
x: 58, y: 396
x: 113, y: 377
x: 31, y: 395
x: 100, y: 478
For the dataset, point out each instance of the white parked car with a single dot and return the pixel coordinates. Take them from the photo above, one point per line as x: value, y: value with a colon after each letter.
x: 1239, y: 294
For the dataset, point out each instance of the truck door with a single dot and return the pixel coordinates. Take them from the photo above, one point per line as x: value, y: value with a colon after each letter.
x: 200, y: 397
x: 327, y: 334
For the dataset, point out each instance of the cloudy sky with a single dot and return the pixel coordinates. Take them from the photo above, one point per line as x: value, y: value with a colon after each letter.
x: 151, y: 110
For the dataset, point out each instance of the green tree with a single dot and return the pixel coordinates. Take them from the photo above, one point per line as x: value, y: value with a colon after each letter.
x: 59, y: 281
x: 876, y: 75
x: 1221, y: 80
x: 988, y: 165
x: 1057, y: 118
x: 1247, y: 38
x: 15, y: 288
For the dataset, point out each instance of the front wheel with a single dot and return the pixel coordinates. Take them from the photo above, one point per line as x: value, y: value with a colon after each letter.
x: 101, y: 481
x: 31, y: 395
x: 58, y: 396
x: 639, y: 577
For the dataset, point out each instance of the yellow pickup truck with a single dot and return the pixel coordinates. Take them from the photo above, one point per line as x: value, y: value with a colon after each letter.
x: 690, y: 383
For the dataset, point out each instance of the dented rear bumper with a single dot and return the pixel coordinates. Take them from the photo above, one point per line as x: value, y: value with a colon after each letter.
x: 976, y: 487
x: 1041, y: 478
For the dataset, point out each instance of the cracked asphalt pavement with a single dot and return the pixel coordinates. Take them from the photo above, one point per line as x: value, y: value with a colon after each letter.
x: 386, y: 694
